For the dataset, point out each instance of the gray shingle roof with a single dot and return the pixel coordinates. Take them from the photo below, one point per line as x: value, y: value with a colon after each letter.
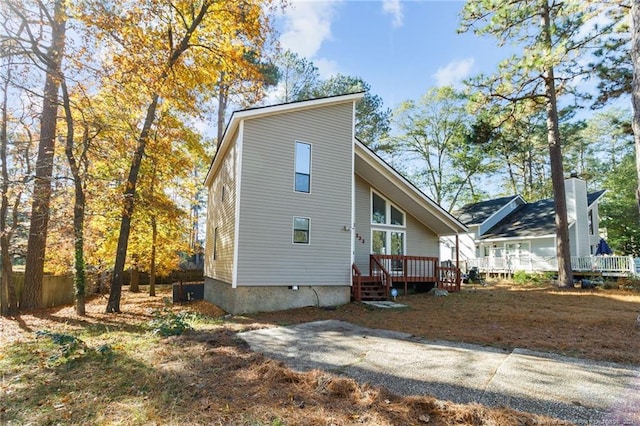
x: 528, y: 220
x: 532, y: 219
x: 477, y: 213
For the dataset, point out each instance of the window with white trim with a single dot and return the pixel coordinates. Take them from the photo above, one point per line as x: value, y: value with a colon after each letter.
x: 303, y: 167
x: 387, y: 241
x: 386, y: 218
x: 519, y: 250
x: 301, y: 227
x: 385, y: 213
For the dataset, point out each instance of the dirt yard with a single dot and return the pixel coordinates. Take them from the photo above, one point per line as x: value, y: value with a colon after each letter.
x: 119, y: 371
x: 597, y: 324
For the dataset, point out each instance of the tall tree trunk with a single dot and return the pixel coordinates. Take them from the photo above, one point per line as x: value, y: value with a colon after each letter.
x: 134, y: 282
x: 223, y: 97
x: 34, y: 269
x: 152, y: 269
x: 79, y: 279
x: 8, y: 299
x: 635, y: 92
x: 113, y: 305
x: 563, y: 250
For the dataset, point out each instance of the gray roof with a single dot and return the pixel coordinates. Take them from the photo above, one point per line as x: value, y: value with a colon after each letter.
x: 528, y: 220
x: 592, y: 197
x: 532, y: 219
x: 477, y: 213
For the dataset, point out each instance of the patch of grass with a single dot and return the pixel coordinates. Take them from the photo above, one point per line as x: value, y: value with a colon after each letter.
x: 58, y: 378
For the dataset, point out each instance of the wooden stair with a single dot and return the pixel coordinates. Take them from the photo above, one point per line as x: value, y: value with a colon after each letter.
x: 368, y: 287
x: 371, y: 288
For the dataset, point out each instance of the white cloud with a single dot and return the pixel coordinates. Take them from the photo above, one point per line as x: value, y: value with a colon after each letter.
x: 393, y: 8
x: 454, y: 72
x: 307, y: 24
x: 326, y: 67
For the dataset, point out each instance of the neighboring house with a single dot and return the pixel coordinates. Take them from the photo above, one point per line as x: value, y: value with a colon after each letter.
x: 294, y: 200
x: 509, y: 234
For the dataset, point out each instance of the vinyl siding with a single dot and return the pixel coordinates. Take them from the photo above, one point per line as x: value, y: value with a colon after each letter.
x: 362, y: 245
x: 466, y: 246
x: 419, y: 240
x: 543, y: 247
x: 576, y: 195
x: 221, y: 214
x: 266, y: 253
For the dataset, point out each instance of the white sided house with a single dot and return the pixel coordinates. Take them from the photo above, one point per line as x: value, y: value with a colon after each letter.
x: 297, y: 207
x: 508, y: 234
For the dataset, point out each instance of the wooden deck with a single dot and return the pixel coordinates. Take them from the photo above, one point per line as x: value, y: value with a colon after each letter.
x: 397, y: 271
x: 606, y: 266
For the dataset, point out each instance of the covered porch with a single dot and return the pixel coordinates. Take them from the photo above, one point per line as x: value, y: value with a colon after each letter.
x: 388, y: 271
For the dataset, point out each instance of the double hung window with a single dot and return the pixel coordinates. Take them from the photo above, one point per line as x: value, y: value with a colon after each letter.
x: 301, y: 227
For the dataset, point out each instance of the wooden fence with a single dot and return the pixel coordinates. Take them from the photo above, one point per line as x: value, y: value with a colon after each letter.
x: 57, y: 290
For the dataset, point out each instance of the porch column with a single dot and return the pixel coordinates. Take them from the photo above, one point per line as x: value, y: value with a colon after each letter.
x: 458, y: 272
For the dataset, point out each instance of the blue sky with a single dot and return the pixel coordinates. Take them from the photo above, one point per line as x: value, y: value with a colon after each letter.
x: 401, y: 48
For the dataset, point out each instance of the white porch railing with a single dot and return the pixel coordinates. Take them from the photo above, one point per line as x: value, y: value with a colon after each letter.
x: 607, y: 265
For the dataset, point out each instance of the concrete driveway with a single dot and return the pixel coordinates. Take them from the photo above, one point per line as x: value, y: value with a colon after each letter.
x: 584, y: 392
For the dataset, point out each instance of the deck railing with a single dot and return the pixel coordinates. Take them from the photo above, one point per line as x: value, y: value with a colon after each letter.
x: 406, y: 269
x: 607, y: 265
x: 449, y: 278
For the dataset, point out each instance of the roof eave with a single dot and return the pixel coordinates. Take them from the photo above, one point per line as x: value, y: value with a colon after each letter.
x: 453, y: 225
x: 238, y: 116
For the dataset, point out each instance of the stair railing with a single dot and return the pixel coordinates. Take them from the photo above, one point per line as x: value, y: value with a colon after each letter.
x: 356, y: 283
x: 378, y: 270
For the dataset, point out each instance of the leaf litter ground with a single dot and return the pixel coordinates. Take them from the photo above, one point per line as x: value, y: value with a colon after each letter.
x: 121, y: 372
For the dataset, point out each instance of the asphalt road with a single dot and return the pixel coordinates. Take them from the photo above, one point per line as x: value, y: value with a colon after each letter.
x: 581, y: 391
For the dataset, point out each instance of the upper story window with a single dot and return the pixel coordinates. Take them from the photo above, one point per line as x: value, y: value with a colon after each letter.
x: 591, y: 224
x: 215, y: 243
x: 385, y: 213
x: 303, y: 167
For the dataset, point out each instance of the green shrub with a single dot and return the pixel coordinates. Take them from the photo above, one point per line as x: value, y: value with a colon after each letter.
x: 168, y: 323
x: 521, y: 277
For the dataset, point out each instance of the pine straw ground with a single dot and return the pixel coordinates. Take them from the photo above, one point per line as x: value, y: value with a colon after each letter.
x: 119, y: 372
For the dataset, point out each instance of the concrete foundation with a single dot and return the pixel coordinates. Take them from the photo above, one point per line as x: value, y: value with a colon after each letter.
x: 244, y: 300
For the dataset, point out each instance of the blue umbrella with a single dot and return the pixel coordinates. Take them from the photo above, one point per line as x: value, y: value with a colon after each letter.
x: 603, y: 248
